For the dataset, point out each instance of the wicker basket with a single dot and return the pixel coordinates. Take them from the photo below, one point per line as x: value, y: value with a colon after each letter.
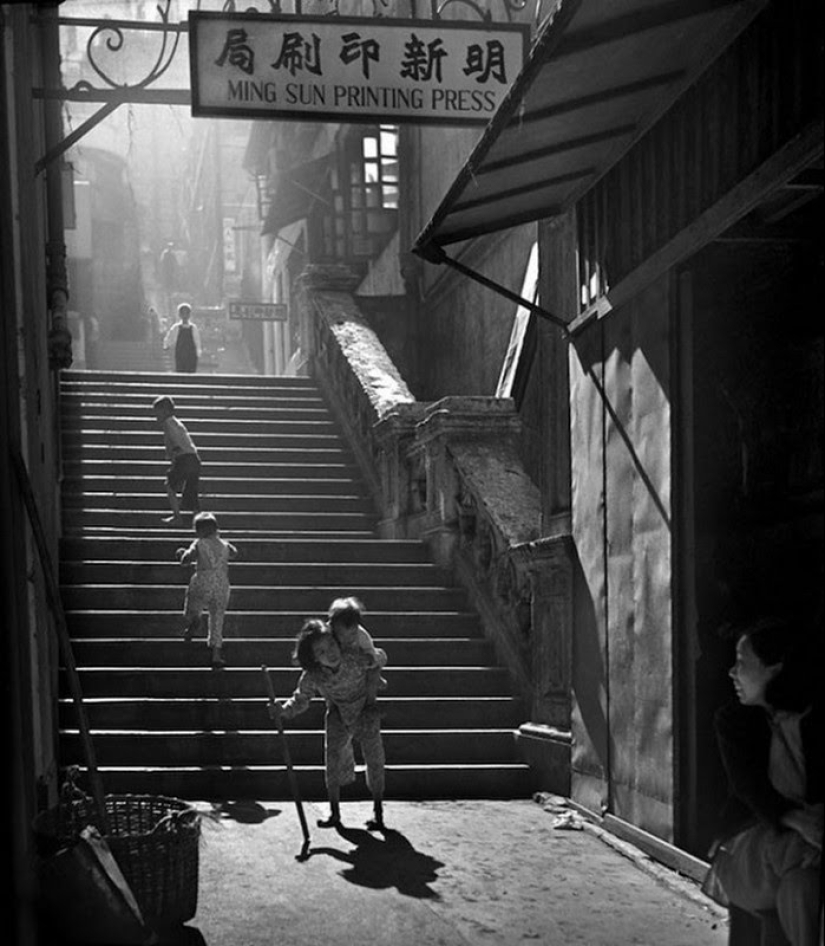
x: 154, y: 840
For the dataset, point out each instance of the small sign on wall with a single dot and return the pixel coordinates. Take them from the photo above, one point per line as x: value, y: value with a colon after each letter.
x: 259, y: 311
x: 352, y: 69
x: 229, y: 257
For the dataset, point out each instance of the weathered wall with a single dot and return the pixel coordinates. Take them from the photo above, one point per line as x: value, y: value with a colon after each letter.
x: 465, y: 326
x: 621, y: 390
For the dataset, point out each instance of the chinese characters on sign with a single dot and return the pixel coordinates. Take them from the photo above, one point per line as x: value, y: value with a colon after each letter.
x: 258, y: 311
x: 229, y: 259
x: 351, y: 69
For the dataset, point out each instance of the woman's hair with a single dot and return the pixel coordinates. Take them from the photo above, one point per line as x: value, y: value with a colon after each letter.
x: 205, y: 524
x: 775, y: 640
x: 346, y: 611
x: 304, y: 654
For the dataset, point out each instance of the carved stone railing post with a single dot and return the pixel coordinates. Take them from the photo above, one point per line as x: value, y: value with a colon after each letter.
x: 468, y: 431
x: 545, y: 740
x: 480, y: 505
x: 400, y: 490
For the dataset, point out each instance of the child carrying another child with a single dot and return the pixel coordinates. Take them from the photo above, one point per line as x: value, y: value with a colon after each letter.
x: 209, y: 586
x: 340, y: 677
x: 185, y: 465
x: 344, y: 618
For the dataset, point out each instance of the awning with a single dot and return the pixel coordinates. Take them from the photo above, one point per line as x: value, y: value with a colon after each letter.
x: 599, y: 75
x: 298, y: 191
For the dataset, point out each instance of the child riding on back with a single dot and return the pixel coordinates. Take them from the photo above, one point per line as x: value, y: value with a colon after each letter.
x: 344, y: 618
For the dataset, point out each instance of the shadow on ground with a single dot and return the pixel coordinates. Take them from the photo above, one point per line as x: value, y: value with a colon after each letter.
x: 244, y: 812
x: 385, y: 862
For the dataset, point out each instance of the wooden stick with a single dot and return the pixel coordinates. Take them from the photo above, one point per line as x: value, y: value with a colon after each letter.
x: 293, y: 782
x: 64, y: 641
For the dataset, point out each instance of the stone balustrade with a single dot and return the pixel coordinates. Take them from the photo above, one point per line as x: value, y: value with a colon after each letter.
x: 449, y: 473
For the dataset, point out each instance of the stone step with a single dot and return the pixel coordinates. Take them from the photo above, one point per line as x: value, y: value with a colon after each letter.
x: 97, y: 653
x: 156, y: 502
x: 129, y: 483
x: 85, y: 427
x: 176, y: 683
x: 157, y: 529
x: 116, y: 382
x: 230, y: 521
x: 271, y: 782
x: 122, y: 472
x: 175, y: 748
x: 238, y: 459
x: 209, y: 440
x: 228, y: 712
x: 290, y: 551
x: 96, y: 408
x: 274, y: 626
x: 214, y: 469
x: 313, y: 600
x: 243, y: 573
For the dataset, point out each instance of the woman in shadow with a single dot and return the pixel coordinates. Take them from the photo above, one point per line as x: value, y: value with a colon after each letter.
x: 767, y: 856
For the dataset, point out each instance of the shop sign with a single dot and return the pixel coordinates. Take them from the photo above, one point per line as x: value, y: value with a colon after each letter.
x: 259, y: 311
x: 229, y: 258
x: 351, y: 69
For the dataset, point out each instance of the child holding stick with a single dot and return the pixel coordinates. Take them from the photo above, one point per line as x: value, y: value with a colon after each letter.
x: 340, y: 677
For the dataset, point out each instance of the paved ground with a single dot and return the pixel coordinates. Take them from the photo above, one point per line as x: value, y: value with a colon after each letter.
x: 464, y: 873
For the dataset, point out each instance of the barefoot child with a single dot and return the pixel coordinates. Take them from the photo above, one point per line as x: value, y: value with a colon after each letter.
x: 344, y: 618
x: 209, y: 585
x: 184, y: 471
x: 340, y: 677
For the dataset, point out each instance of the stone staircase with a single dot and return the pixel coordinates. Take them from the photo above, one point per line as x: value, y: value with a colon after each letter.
x: 286, y: 491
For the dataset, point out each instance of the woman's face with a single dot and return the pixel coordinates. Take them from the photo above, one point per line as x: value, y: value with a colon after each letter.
x: 326, y: 651
x: 750, y: 676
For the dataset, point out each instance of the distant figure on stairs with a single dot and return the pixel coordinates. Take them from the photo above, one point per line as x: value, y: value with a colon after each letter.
x: 186, y: 339
x: 183, y: 475
x: 209, y: 587
x: 340, y: 677
x: 92, y: 328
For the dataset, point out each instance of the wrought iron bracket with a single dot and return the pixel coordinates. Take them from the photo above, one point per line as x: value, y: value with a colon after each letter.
x: 111, y: 34
x: 436, y: 254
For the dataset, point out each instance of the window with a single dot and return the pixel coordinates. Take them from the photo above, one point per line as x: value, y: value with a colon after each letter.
x: 365, y: 188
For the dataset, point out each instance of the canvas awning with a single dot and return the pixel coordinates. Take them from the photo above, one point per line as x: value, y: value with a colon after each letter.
x: 298, y: 191
x: 598, y: 77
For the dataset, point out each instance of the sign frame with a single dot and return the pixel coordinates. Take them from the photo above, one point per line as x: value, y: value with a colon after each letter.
x: 203, y: 106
